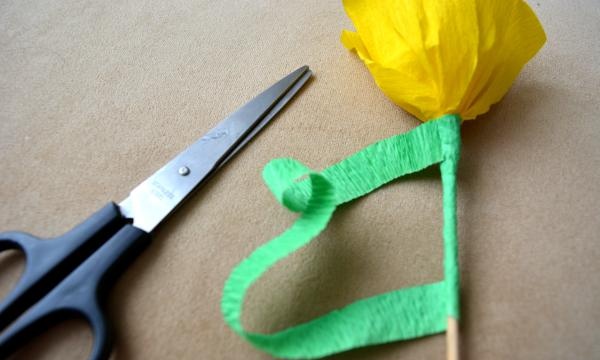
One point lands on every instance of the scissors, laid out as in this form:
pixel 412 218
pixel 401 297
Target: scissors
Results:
pixel 70 275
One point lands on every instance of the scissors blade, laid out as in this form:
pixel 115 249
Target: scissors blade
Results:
pixel 159 195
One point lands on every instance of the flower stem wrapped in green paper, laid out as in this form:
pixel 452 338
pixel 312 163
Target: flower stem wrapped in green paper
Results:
pixel 444 62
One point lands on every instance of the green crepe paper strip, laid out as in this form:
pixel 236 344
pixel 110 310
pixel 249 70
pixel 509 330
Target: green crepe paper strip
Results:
pixel 451 149
pixel 397 315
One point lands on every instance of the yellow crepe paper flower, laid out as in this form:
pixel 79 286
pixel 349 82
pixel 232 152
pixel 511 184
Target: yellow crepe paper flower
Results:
pixel 436 57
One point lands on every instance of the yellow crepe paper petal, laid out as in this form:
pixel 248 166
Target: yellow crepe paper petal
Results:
pixel 435 57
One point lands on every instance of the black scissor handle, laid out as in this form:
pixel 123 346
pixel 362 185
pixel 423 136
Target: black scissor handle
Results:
pixel 79 294
pixel 48 261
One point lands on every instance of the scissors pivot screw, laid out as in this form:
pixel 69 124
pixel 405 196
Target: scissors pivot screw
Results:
pixel 184 170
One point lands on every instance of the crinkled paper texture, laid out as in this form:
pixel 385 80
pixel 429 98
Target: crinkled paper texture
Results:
pixel 436 57
pixel 397 315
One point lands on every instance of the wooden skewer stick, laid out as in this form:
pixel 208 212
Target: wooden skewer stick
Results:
pixel 452 341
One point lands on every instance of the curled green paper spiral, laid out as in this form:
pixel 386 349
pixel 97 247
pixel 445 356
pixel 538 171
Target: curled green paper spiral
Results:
pixel 397 315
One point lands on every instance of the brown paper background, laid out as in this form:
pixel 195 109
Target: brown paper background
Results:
pixel 94 96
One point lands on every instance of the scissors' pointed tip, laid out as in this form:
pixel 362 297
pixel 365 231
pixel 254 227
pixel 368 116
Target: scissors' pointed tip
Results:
pixel 299 72
pixel 273 95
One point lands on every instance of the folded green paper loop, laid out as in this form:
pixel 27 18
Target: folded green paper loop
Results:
pixel 397 315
